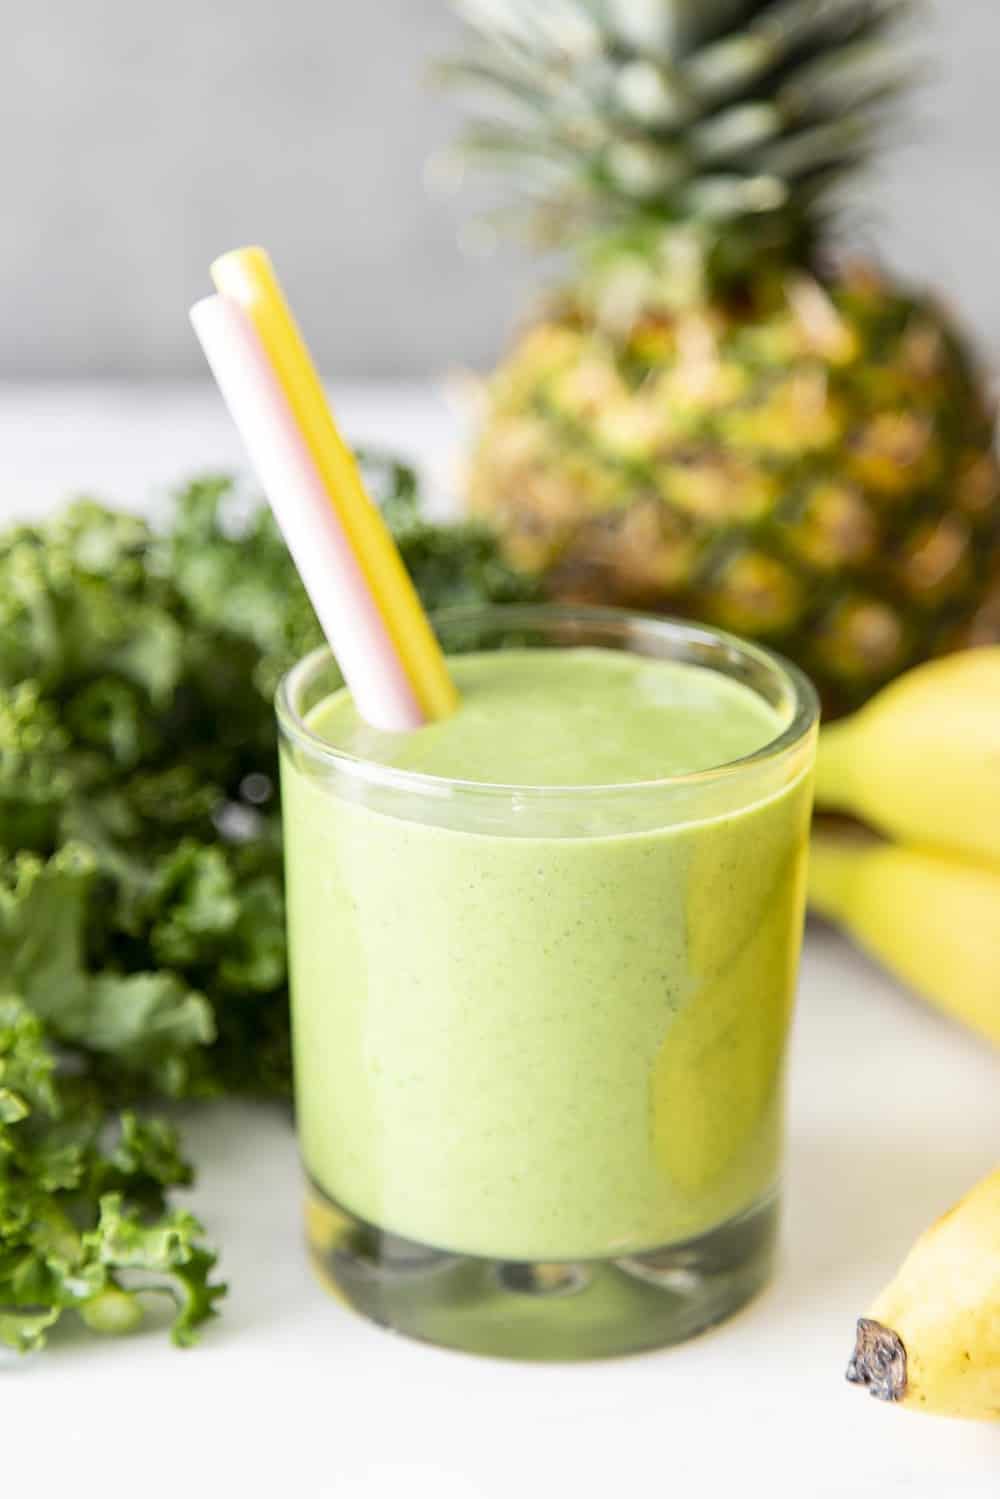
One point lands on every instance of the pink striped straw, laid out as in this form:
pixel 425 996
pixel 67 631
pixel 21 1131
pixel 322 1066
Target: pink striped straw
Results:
pixel 347 612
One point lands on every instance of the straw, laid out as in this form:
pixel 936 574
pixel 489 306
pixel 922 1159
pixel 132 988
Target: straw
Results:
pixel 247 277
pixel 326 563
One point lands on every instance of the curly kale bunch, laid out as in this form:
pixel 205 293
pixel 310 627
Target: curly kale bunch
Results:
pixel 142 946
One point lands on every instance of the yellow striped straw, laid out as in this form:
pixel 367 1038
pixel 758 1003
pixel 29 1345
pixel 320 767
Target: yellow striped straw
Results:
pixel 248 278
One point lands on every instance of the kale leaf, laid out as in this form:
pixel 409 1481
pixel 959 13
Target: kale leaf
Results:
pixel 142 939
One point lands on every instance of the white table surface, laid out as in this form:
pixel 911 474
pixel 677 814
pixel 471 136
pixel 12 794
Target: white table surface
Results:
pixel 894 1113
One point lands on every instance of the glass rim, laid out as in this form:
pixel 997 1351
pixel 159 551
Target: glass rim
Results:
pixel 805 715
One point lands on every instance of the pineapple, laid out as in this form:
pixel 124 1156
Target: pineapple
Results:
pixel 716 417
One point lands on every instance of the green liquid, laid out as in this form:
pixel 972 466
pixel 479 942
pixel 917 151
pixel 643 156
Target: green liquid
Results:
pixel 546 1047
pixel 568 718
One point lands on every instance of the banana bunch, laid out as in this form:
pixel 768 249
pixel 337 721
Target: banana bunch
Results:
pixel 920 763
pixel 932 1339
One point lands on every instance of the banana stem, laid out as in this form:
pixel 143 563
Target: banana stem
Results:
pixel 878 1361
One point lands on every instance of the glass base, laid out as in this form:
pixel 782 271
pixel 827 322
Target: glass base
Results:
pixel 529 1310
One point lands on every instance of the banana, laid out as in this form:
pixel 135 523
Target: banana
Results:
pixel 932 1339
pixel 921 761
pixel 934 920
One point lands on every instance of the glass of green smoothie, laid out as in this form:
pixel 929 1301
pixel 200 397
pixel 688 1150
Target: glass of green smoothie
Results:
pixel 543 958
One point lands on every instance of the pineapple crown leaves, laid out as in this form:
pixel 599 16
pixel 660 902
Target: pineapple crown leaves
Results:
pixel 708 114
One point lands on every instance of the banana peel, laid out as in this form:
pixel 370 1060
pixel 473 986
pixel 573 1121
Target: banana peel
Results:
pixel 932 919
pixel 931 1342
pixel 921 761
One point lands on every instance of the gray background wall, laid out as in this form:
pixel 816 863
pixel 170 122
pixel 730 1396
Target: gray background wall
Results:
pixel 140 139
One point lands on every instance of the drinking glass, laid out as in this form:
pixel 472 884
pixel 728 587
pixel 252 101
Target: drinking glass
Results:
pixel 540 1031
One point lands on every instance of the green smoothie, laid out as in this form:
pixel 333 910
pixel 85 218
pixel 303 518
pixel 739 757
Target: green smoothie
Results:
pixel 555 1046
